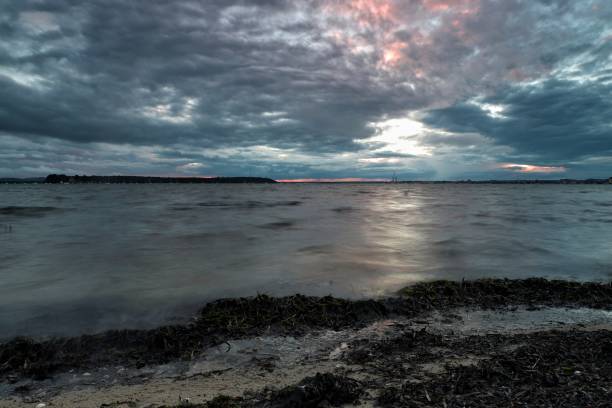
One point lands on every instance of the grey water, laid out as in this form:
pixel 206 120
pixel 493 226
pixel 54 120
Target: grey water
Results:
pixel 85 258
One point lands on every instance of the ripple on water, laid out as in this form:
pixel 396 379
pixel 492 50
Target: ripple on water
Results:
pixel 248 204
pixel 278 225
pixel 27 211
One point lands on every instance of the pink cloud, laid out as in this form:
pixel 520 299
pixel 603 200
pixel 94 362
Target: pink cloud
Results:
pixel 379 27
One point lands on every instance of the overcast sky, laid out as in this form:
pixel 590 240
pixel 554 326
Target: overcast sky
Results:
pixel 429 89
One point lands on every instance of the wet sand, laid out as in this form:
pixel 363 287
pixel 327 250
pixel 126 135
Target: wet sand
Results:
pixel 480 344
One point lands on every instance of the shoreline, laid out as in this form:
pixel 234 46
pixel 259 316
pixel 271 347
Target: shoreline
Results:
pixel 335 347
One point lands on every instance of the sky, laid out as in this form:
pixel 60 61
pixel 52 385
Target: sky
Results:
pixel 423 89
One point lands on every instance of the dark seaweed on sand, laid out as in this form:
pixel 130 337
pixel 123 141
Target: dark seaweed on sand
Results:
pixel 320 390
pixel 217 322
pixel 292 314
pixel 547 369
pixel 228 319
pixel 494 293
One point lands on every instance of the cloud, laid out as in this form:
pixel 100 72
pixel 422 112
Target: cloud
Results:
pixel 317 88
pixel 530 168
pixel 553 120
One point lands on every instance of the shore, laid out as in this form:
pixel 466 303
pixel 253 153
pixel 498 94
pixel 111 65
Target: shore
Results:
pixel 484 343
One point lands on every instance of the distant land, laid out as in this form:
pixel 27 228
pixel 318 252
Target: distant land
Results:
pixel 64 179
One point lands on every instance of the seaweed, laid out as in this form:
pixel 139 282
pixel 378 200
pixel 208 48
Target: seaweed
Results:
pixel 320 390
pixel 547 369
pixel 216 323
pixel 227 319
pixel 495 293
pixel 291 314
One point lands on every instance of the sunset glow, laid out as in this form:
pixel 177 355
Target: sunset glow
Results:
pixel 335 180
pixel 529 168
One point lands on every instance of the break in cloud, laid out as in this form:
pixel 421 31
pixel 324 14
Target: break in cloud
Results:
pixel 430 89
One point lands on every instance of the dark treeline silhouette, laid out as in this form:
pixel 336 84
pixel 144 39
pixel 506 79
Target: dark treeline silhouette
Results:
pixel 62 178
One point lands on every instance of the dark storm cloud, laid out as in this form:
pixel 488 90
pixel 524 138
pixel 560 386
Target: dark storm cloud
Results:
pixel 128 57
pixel 309 79
pixel 556 120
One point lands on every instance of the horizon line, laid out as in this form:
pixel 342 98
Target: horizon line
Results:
pixel 326 179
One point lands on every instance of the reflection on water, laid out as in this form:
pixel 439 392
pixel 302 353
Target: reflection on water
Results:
pixel 87 257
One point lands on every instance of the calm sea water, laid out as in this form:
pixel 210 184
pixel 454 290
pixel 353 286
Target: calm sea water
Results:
pixel 83 258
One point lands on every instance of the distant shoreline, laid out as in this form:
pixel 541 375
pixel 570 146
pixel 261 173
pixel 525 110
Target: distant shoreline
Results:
pixel 64 179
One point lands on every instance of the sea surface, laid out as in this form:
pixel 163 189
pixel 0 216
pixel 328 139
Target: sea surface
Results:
pixel 85 258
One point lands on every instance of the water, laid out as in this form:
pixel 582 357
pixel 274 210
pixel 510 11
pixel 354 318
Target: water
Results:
pixel 83 258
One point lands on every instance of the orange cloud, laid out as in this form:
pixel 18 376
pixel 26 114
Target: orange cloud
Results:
pixel 530 168
pixel 393 53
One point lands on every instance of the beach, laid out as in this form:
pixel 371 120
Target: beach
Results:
pixel 478 343
pixel 305 204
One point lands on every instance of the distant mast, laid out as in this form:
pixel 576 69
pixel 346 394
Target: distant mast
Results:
pixel 394 178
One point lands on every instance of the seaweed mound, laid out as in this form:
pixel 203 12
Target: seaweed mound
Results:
pixel 320 390
pixel 228 319
pixel 547 369
pixel 217 322
pixel 290 314
pixel 492 293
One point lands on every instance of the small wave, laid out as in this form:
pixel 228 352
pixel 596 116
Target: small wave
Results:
pixel 181 208
pixel 481 224
pixel 445 205
pixel 423 225
pixel 595 220
pixel 520 219
pixel 27 211
pixel 215 204
pixel 343 209
pixel 249 204
pixel 211 237
pixel 317 249
pixel 534 249
pixel 447 242
pixel 278 225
